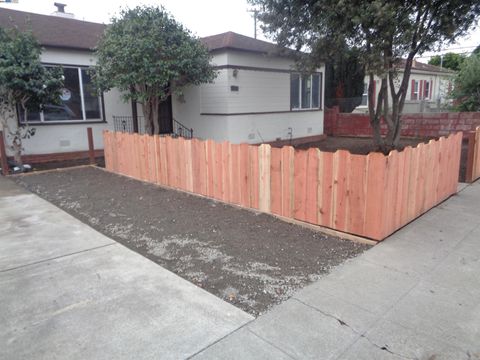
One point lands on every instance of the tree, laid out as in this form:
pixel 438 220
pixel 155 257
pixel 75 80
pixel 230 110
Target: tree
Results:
pixel 25 85
pixel 477 50
pixel 383 32
pixel 450 60
pixel 344 77
pixel 467 85
pixel 149 56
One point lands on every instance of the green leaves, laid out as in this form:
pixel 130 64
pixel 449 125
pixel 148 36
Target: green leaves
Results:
pixel 467 85
pixel 450 61
pixel 24 80
pixel 148 49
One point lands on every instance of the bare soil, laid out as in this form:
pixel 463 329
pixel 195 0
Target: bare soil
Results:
pixel 356 145
pixel 250 259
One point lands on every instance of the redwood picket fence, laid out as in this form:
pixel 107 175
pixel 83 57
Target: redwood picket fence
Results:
pixel 473 160
pixel 368 195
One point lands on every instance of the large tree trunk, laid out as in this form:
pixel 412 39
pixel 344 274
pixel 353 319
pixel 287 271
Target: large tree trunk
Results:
pixel 374 119
pixel 151 113
pixel 148 116
pixel 17 152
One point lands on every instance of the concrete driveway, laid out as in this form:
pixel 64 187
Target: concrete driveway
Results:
pixel 68 292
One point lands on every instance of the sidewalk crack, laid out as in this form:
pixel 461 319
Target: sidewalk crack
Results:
pixel 360 334
pixel 57 257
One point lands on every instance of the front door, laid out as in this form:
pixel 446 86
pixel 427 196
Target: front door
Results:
pixel 165 116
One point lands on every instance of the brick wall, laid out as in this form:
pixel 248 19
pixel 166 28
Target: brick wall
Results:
pixel 413 125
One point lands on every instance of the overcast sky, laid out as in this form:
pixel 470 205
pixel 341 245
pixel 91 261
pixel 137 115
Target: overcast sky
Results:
pixel 203 17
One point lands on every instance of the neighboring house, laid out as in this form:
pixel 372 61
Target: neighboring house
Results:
pixel 257 96
pixel 69 43
pixel 428 88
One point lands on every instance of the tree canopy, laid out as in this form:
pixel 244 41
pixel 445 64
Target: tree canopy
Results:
pixel 344 79
pixel 450 60
pixel 467 85
pixel 149 56
pixel 24 83
pixel 382 31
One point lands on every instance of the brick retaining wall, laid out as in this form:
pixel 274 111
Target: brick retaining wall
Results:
pixel 413 125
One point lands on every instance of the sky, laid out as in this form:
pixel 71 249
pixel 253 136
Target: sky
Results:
pixel 202 17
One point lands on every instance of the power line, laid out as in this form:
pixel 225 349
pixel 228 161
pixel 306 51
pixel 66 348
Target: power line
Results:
pixel 430 56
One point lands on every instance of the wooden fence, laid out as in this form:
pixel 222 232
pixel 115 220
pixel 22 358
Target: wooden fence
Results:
pixel 368 195
pixel 473 160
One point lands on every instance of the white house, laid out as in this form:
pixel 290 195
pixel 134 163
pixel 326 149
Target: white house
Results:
pixel 257 96
pixel 69 43
pixel 428 88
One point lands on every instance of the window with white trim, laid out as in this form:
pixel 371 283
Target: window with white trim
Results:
pixel 415 84
pixel 305 91
pixel 79 101
pixel 426 90
pixel 365 95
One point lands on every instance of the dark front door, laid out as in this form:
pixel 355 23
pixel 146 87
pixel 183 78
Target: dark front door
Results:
pixel 165 116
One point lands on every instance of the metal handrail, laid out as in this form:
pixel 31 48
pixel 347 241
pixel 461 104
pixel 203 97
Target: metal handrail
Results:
pixel 125 124
pixel 181 130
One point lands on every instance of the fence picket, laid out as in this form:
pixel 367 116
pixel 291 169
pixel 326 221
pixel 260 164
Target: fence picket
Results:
pixel 300 184
pixel 370 195
pixel 276 194
pixel 341 161
pixel 311 200
pixel 356 194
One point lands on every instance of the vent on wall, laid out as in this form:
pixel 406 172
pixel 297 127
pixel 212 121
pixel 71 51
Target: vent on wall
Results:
pixel 64 143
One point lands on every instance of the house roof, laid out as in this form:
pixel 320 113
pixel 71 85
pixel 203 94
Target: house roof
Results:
pixel 427 67
pixel 231 40
pixel 55 31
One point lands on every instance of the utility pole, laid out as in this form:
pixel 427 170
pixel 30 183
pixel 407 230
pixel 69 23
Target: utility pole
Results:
pixel 255 13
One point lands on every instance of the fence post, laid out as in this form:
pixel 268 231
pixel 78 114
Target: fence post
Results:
pixel 470 156
pixel 91 149
pixel 3 155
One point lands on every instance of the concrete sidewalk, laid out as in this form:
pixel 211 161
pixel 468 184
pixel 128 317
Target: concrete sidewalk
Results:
pixel 414 296
pixel 68 292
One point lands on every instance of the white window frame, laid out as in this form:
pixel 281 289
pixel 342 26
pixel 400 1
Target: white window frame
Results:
pixel 427 94
pixel 300 108
pixel 365 94
pixel 82 96
pixel 416 89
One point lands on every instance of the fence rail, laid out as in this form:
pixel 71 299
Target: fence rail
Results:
pixel 368 195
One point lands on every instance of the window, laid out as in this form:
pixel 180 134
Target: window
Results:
pixel 365 95
pixel 414 95
pixel 305 91
pixel 426 90
pixel 78 100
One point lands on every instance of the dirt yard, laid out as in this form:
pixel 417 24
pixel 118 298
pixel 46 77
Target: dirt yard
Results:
pixel 356 145
pixel 249 259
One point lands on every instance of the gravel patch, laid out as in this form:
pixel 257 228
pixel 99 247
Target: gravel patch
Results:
pixel 251 260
